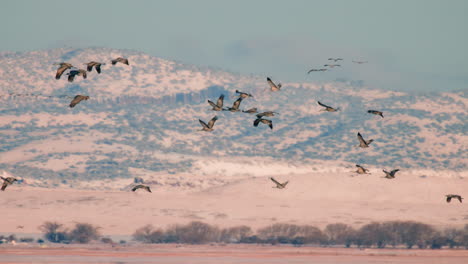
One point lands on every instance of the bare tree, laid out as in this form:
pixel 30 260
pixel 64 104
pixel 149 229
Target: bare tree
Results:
pixel 340 234
pixel 54 232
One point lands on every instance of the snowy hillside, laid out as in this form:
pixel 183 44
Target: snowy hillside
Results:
pixel 144 117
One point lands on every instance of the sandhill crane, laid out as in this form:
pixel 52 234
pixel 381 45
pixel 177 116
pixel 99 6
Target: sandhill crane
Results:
pixel 7 181
pixel 77 99
pixel 390 175
pixel 63 66
pixel 278 184
pixel 243 95
pixel 375 112
pixel 208 127
pixel 264 121
pixel 251 110
pixel 328 108
pixel 141 186
pixel 219 104
pixel 235 106
pixel 274 87
pixel 316 70
pixel 363 143
pixel 455 196
pixel 73 73
pixel 96 65
pixel 335 60
pixel 121 60
pixel 361 170
pixel 332 65
pixel 359 62
pixel 267 113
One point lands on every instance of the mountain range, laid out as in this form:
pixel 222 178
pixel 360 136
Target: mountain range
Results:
pixel 144 117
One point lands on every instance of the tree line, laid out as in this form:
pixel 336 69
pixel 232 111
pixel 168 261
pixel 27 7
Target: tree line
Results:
pixel 409 234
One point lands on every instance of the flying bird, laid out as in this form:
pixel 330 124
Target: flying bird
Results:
pixel 63 66
pixel 235 106
pixel 375 112
pixel 359 62
pixel 121 60
pixel 251 110
pixel 274 87
pixel 243 95
pixel 361 170
pixel 363 143
pixel 328 108
pixel 141 186
pixel 219 104
pixel 264 121
pixel 7 181
pixel 77 99
pixel 332 65
pixel 316 70
pixel 455 196
pixel 278 184
pixel 267 113
pixel 390 175
pixel 96 65
pixel 73 73
pixel 335 60
pixel 208 127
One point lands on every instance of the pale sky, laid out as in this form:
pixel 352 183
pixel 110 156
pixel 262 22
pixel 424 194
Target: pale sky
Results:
pixel 411 45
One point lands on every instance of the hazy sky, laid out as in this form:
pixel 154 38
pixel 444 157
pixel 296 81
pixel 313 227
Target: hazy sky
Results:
pixel 412 45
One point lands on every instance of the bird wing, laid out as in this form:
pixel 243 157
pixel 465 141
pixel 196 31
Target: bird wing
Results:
pixel 272 84
pixel 203 124
pixel 256 122
pixel 114 62
pixel 260 115
pixel 270 124
pixel 220 101
pixel 148 189
pixel 361 139
pixel 449 198
pixel 89 66
pixel 4 185
pixel 98 68
pixel 83 73
pixel 212 104
pixel 324 105
pixel 75 101
pixel 251 110
pixel 459 198
pixel 275 181
pixel 212 122
pixel 125 61
pixel 394 171
pixel 284 184
pixel 236 104
pixel 60 71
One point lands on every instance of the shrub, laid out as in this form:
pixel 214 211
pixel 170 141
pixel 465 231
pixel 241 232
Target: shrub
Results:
pixel 83 233
pixel 147 234
pixel 235 234
pixel 194 233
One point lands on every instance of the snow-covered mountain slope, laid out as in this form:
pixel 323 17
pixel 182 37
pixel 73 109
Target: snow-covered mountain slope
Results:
pixel 145 117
